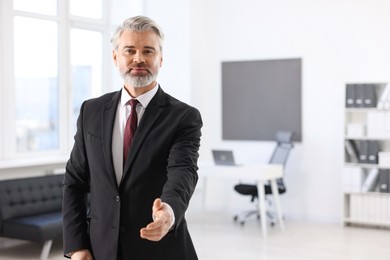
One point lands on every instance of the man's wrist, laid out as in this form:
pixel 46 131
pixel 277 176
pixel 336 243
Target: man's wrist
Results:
pixel 172 214
pixel 70 254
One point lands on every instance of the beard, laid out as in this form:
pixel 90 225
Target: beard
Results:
pixel 139 81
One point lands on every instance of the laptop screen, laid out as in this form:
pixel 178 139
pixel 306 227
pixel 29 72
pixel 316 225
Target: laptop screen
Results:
pixel 223 157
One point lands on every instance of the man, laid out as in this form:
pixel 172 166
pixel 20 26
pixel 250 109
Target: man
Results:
pixel 138 192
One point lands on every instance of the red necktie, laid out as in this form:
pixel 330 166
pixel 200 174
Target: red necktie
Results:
pixel 131 126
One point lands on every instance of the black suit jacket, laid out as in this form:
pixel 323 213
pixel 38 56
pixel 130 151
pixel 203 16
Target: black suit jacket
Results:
pixel 162 163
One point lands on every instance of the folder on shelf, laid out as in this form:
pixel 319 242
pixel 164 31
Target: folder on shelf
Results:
pixel 370 99
pixel 383 100
pixel 371 180
pixel 384 180
pixel 350 96
pixel 372 151
pixel 359 95
pixel 351 151
pixel 363 151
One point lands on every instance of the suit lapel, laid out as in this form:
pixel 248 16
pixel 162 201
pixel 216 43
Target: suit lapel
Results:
pixel 152 112
pixel 109 115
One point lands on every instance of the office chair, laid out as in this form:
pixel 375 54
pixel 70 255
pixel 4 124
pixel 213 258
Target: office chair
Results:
pixel 279 156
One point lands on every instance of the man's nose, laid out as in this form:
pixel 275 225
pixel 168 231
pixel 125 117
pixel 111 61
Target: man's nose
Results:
pixel 138 57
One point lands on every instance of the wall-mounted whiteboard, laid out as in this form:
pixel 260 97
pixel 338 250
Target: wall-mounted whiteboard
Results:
pixel 261 97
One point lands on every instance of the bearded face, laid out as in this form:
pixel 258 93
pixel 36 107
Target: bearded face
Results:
pixel 138 58
pixel 138 80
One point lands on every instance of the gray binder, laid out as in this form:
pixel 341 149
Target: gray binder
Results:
pixel 384 181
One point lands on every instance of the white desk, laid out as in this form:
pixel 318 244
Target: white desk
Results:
pixel 260 172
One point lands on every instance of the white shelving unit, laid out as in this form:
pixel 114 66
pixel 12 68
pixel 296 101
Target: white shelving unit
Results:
pixel 365 125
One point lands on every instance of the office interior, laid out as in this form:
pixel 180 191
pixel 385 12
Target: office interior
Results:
pixel 339 41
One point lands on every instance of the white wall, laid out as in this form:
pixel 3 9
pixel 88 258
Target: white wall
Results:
pixel 174 18
pixel 339 41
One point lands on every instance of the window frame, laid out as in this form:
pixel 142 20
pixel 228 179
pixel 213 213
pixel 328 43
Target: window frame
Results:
pixel 66 22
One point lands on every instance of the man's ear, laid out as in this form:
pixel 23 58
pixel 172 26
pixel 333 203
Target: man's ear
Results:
pixel 161 61
pixel 114 57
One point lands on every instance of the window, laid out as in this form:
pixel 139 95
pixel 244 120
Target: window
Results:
pixel 86 68
pixel 86 8
pixel 52 62
pixel 48 7
pixel 36 84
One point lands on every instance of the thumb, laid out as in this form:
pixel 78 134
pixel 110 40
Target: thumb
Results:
pixel 157 205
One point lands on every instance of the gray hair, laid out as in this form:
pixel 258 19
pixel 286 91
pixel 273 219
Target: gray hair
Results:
pixel 137 24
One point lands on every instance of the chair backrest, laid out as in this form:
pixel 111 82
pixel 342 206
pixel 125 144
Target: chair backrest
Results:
pixel 282 151
pixel 283 147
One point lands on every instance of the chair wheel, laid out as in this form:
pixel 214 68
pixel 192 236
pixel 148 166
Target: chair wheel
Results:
pixel 272 224
pixel 242 223
pixel 235 218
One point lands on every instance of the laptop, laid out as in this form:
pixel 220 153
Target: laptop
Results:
pixel 224 157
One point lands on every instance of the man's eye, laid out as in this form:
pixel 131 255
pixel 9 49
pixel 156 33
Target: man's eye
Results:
pixel 129 51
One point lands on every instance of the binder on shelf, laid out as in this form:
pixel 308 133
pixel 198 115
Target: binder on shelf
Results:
pixel 372 151
pixel 359 95
pixel 370 99
pixel 384 181
pixel 350 96
pixel 371 180
pixel 351 151
pixel 363 151
pixel 384 99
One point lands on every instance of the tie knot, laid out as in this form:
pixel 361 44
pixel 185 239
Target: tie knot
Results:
pixel 133 102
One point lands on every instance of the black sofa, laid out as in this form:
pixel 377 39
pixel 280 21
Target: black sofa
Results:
pixel 30 209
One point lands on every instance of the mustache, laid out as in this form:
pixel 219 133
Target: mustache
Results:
pixel 139 65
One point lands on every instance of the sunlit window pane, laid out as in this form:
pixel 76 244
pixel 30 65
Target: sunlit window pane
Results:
pixel 36 84
pixel 86 61
pixel 86 8
pixel 48 7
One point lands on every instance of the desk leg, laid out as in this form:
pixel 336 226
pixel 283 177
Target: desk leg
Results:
pixel 204 193
pixel 275 193
pixel 263 217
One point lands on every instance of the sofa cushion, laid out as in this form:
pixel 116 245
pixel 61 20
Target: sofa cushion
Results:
pixel 37 228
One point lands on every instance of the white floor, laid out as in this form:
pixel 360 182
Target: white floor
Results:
pixel 217 237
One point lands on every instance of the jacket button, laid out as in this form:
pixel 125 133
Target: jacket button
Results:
pixel 122 229
pixel 117 198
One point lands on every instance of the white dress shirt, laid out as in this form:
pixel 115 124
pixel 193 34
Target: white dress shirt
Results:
pixel 122 113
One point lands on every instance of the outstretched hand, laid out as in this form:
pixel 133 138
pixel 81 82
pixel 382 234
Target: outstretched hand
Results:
pixel 161 224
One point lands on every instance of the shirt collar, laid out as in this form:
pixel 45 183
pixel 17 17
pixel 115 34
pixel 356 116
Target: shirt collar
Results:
pixel 143 99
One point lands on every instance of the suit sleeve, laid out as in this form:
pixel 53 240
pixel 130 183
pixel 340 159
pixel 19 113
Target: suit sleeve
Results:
pixel 75 190
pixel 182 164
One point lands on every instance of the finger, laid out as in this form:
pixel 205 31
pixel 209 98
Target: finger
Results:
pixel 155 230
pixel 153 234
